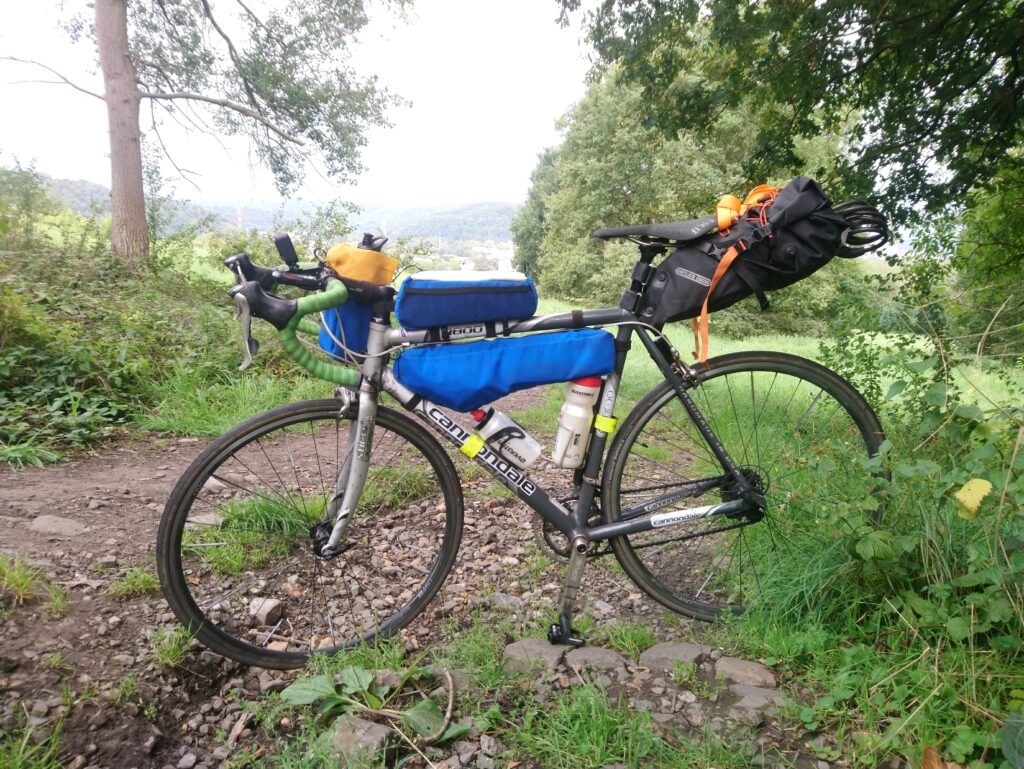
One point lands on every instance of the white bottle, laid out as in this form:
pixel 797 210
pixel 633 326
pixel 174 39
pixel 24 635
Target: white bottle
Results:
pixel 574 422
pixel 506 437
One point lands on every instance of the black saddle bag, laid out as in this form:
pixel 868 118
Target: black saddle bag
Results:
pixel 779 243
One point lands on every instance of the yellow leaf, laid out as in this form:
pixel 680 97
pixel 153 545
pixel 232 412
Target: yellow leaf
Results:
pixel 931 758
pixel 970 497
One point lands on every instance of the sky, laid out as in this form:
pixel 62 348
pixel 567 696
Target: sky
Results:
pixel 487 79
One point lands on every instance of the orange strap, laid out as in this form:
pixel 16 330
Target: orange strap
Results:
pixel 700 328
pixel 756 194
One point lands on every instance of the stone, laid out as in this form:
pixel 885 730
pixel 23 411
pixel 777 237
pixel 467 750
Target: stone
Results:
pixel 754 697
pixel 531 653
pixel 465 750
pixel 356 739
pixel 595 658
pixel 506 602
pixel 266 611
pixel 744 672
pixel 213 485
pixel 664 656
pixel 187 761
pixel 268 683
pixel 694 715
pixel 485 762
pixel 107 561
pixel 490 745
pixel 57 526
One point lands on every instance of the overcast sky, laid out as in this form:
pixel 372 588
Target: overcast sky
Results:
pixel 487 79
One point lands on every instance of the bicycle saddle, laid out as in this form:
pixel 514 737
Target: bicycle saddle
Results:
pixel 670 232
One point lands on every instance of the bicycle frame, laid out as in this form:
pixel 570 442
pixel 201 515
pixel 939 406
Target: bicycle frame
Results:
pixel 642 517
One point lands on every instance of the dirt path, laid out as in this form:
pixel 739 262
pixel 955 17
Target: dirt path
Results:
pixel 83 523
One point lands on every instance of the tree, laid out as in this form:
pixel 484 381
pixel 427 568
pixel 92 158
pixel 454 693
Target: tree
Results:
pixel 935 86
pixel 279 77
pixel 527 226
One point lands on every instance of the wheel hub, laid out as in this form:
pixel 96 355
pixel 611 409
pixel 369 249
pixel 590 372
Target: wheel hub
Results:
pixel 731 491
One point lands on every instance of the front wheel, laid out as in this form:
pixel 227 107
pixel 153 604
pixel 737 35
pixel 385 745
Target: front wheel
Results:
pixel 800 434
pixel 234 552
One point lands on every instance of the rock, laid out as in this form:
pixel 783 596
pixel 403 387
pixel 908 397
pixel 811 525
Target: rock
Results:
pixel 107 561
pixel 750 716
pixel 531 653
pixel 187 761
pixel 490 745
pixel 57 526
pixel 356 739
pixel 755 698
pixel 603 607
pixel 266 611
pixel 268 683
pixel 77 762
pixel 465 750
pixel 694 715
pixel 595 658
pixel 744 672
pixel 665 656
pixel 485 762
pixel 214 485
pixel 505 602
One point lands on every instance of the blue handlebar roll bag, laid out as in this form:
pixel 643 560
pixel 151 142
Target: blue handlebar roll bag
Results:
pixel 432 299
pixel 468 375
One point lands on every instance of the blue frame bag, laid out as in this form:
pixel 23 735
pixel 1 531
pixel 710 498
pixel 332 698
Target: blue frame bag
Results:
pixel 350 325
pixel 468 375
pixel 446 298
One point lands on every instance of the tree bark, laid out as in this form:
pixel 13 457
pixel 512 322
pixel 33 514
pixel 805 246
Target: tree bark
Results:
pixel 129 234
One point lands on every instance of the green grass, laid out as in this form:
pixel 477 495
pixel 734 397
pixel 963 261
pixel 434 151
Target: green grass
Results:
pixel 193 401
pixel 57 661
pixel 56 601
pixel 630 638
pixel 18 750
pixel 583 728
pixel 133 583
pixel 123 692
pixel 168 647
pixel 377 655
pixel 252 532
pixel 477 649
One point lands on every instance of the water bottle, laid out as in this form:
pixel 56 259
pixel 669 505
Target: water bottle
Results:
pixel 574 422
pixel 506 437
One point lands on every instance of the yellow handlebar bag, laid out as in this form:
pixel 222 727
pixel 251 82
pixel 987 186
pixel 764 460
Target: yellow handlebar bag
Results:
pixel 361 264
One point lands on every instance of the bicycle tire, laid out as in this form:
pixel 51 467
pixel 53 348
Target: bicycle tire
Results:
pixel 712 565
pixel 270 481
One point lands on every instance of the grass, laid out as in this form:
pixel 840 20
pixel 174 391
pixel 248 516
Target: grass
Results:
pixel 583 728
pixel 189 400
pixel 252 532
pixel 630 638
pixel 168 647
pixel 57 661
pixel 477 649
pixel 19 582
pixel 19 750
pixel 133 583
pixel 56 602
pixel 379 654
pixel 123 692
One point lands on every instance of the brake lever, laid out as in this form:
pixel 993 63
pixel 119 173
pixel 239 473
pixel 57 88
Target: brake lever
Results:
pixel 249 345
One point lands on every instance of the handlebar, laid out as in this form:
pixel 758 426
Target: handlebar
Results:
pixel 289 315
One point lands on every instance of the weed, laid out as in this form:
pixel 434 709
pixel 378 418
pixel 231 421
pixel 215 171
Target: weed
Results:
pixel 168 647
pixel 685 674
pixel 630 638
pixel 19 750
pixel 123 692
pixel 18 581
pixel 378 654
pixel 135 582
pixel 150 712
pixel 56 602
pixel 57 661
pixel 477 649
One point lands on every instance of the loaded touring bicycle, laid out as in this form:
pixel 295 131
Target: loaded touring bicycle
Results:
pixel 322 524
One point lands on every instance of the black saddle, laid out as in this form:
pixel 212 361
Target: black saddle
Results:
pixel 671 232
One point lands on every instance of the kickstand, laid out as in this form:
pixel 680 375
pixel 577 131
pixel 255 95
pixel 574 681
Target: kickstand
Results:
pixel 562 631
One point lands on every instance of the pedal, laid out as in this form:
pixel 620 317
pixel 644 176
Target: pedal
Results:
pixel 558 637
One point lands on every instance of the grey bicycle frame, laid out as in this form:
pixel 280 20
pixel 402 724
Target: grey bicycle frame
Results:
pixel 383 338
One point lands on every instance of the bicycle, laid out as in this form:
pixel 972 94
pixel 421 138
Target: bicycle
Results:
pixel 323 524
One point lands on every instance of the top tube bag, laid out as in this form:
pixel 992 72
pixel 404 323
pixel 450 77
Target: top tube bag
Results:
pixel 446 298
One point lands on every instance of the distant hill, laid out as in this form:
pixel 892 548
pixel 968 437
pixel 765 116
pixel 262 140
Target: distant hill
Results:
pixel 470 222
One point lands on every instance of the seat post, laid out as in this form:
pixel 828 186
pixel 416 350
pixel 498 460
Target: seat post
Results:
pixel 642 271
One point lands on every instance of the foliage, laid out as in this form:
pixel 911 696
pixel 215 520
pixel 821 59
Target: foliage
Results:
pixel 133 583
pixel 357 690
pixel 934 87
pixel 528 224
pixel 168 647
pixel 264 76
pixel 19 749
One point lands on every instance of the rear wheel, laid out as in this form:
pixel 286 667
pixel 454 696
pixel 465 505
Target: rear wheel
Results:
pixel 234 552
pixel 799 432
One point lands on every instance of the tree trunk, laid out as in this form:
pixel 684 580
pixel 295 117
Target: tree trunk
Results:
pixel 129 235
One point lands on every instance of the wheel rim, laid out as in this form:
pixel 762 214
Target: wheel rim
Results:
pixel 243 551
pixel 791 434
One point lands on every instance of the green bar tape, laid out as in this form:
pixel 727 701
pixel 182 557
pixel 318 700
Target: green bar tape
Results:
pixel 306 326
pixel 332 297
